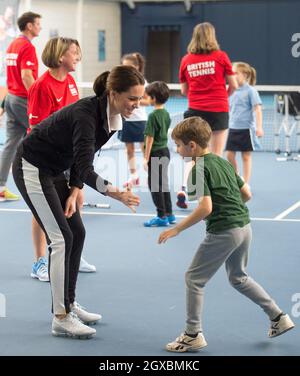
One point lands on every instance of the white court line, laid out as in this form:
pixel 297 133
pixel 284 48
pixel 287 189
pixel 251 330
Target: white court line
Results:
pixel 287 211
pixel 147 215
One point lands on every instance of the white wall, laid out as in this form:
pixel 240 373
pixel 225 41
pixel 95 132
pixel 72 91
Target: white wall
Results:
pixel 100 16
pixel 80 19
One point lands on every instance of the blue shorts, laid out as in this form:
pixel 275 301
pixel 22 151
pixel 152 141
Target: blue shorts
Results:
pixel 133 131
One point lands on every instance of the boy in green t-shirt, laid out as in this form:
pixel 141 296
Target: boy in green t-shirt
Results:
pixel 221 194
pixel 157 155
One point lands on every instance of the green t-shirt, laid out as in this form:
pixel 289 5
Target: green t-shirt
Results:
pixel 157 127
pixel 214 176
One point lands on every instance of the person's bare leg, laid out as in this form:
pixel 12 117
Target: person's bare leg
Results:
pixel 142 145
pixel 131 158
pixel 247 165
pixel 39 240
pixel 187 169
pixel 217 142
pixel 133 179
pixel 231 156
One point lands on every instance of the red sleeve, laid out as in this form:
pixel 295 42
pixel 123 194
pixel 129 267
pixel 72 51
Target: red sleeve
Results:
pixel 182 68
pixel 28 59
pixel 227 64
pixel 40 105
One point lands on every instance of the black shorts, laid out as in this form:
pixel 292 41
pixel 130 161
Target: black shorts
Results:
pixel 239 140
pixel 218 121
pixel 133 131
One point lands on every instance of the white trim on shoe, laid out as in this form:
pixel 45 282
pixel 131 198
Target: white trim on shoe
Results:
pixel 185 343
pixel 280 327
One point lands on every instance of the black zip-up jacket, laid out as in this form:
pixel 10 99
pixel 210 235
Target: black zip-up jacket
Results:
pixel 69 138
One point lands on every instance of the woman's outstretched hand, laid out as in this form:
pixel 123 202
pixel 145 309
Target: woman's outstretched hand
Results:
pixel 126 197
pixel 129 199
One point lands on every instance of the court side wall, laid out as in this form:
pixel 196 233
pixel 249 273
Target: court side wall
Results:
pixel 265 33
pixel 80 19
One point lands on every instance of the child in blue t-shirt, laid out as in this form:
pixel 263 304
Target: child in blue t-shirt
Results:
pixel 244 117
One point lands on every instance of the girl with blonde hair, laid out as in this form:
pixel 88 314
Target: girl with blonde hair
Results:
pixel 245 118
pixel 203 73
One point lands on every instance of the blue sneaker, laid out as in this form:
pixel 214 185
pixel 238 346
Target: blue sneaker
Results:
pixel 40 270
pixel 171 219
pixel 157 222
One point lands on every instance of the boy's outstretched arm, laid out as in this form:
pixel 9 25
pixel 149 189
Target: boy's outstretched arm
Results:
pixel 246 193
pixel 202 211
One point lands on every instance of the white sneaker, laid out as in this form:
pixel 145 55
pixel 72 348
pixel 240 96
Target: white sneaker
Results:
pixel 70 326
pixel 185 343
pixel 83 315
pixel 85 267
pixel 279 327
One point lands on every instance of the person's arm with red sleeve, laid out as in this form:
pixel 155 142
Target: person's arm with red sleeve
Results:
pixel 229 74
pixel 40 104
pixel 28 65
pixel 182 78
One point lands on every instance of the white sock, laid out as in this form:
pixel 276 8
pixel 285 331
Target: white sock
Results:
pixel 133 176
pixel 2 187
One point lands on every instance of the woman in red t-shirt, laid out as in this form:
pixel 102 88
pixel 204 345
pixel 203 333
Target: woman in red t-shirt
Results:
pixel 55 89
pixel 203 73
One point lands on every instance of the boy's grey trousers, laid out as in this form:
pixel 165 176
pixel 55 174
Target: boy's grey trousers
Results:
pixel 230 247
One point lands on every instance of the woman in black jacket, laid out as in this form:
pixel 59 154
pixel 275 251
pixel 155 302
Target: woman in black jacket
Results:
pixel 68 139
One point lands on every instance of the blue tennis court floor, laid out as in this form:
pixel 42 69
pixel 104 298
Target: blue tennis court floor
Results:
pixel 139 285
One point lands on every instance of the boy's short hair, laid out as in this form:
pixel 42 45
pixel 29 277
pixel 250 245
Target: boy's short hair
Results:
pixel 159 91
pixel 193 129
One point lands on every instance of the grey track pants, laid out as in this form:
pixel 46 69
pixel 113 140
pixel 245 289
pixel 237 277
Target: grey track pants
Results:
pixel 232 247
pixel 46 197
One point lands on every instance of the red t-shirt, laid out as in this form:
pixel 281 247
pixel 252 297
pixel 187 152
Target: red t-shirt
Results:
pixel 205 76
pixel 20 55
pixel 48 95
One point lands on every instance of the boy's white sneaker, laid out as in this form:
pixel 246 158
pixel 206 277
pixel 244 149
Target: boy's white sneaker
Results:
pixel 86 317
pixel 185 343
pixel 70 326
pixel 279 327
